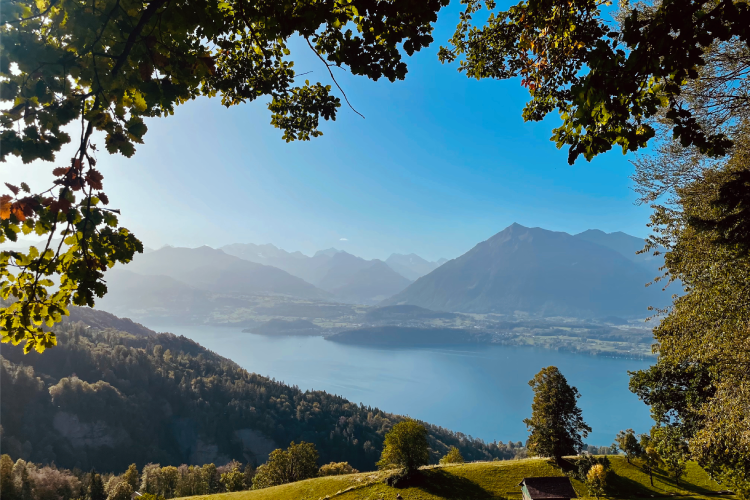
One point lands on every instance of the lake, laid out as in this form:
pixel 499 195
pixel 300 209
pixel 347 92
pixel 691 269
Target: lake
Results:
pixel 480 390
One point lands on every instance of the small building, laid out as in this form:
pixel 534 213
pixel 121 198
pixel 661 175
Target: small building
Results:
pixel 547 488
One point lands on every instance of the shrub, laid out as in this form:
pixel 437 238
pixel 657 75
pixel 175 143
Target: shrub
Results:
pixel 149 496
pixel 452 457
pixel 596 480
pixel 337 469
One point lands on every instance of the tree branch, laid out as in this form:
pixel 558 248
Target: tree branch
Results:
pixel 328 67
pixel 147 14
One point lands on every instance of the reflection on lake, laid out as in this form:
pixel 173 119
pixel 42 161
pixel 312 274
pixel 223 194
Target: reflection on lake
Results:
pixel 481 390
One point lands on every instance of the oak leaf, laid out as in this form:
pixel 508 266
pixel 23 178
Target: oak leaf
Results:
pixel 5 206
pixel 94 178
pixel 18 211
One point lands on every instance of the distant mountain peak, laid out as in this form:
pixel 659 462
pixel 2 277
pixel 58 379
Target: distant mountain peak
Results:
pixel 537 271
pixel 329 252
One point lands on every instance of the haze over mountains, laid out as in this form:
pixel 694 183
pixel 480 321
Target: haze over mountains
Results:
pixel 347 277
pixel 542 272
pixel 519 270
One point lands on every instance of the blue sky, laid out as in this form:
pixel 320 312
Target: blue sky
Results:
pixel 439 164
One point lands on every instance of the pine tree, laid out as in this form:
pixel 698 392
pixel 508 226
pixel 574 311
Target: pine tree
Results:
pixel 96 488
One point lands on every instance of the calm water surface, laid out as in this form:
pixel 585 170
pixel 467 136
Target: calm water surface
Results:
pixel 478 390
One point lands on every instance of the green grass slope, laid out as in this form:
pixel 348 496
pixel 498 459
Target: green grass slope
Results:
pixel 479 481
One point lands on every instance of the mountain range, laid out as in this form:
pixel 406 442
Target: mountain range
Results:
pixel 592 274
pixel 542 272
pixel 346 277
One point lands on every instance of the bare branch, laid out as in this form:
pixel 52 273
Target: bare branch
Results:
pixel 328 67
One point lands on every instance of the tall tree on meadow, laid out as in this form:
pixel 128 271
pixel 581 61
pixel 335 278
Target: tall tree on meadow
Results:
pixel 101 69
pixel 556 425
pixel 650 457
pixel 628 443
pixel 405 447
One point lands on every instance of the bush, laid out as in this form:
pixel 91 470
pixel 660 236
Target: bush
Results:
pixel 149 496
pixel 405 447
pixel 584 463
pixel 337 469
pixel 596 480
pixel 452 457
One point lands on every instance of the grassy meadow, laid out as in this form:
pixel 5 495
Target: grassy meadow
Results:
pixel 479 481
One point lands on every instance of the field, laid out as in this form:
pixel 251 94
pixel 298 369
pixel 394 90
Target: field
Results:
pixel 479 481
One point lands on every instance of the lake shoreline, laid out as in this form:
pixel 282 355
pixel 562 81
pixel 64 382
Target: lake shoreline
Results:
pixel 479 389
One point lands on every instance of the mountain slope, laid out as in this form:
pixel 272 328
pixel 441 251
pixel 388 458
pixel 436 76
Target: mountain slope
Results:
pixel 213 270
pixel 145 297
pixel 626 245
pixel 107 399
pixel 347 277
pixel 353 279
pixel 536 271
pixel 295 263
pixel 371 284
pixel 412 266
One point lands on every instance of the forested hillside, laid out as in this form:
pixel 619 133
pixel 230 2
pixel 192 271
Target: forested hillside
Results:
pixel 108 398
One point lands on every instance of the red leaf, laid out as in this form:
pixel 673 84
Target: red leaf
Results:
pixel 60 171
pixel 12 188
pixel 60 205
pixel 94 178
pixel 103 197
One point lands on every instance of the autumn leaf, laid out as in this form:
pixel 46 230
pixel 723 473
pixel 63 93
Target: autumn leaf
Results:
pixel 60 171
pixel 5 206
pixel 18 211
pixel 94 178
pixel 60 205
pixel 103 197
pixel 12 188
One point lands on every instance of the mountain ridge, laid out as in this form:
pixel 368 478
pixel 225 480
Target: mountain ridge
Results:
pixel 537 271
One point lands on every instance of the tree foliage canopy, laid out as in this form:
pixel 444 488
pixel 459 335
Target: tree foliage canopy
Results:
pixel 556 425
pixel 607 83
pixel 405 447
pixel 111 64
pixel 674 74
pixel 298 462
pixel 629 444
